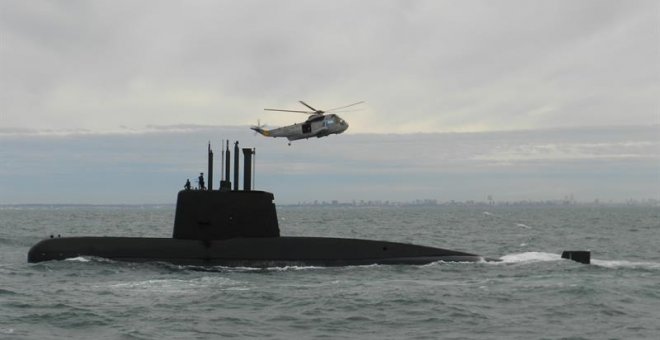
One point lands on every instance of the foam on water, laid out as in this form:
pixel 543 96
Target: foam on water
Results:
pixel 522 225
pixel 79 259
pixel 6 331
pixel 625 264
pixel 177 286
pixel 245 268
pixel 294 268
pixel 531 256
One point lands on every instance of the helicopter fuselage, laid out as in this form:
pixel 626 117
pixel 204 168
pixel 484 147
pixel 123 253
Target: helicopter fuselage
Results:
pixel 315 126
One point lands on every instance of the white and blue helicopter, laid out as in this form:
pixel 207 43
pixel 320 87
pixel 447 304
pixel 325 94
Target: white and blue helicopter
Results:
pixel 319 124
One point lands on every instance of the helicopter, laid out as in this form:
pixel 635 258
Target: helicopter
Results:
pixel 319 124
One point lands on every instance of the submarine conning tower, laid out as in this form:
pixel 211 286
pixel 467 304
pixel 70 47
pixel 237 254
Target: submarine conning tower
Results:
pixel 207 214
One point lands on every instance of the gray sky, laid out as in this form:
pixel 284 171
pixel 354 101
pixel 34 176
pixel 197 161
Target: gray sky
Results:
pixel 553 93
pixel 420 65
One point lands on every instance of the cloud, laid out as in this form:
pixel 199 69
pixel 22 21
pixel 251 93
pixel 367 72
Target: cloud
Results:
pixel 425 66
pixel 610 163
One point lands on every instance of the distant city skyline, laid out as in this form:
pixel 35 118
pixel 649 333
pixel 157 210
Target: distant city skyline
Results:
pixel 480 203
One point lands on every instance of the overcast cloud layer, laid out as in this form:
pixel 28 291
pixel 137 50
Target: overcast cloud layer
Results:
pixel 610 164
pixel 420 65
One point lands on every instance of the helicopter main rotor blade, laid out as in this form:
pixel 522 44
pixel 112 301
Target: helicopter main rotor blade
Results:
pixel 306 112
pixel 346 111
pixel 311 108
pixel 343 107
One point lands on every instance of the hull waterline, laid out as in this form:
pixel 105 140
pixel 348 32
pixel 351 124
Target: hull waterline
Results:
pixel 249 252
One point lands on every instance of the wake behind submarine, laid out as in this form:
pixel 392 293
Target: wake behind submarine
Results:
pixel 239 228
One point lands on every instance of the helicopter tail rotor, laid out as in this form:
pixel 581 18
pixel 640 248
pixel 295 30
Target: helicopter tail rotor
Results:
pixel 260 129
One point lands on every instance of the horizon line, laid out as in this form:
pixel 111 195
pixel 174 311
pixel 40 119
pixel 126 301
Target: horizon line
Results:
pixel 366 203
pixel 188 128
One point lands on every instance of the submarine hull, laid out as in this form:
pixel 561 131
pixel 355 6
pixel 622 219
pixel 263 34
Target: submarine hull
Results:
pixel 248 252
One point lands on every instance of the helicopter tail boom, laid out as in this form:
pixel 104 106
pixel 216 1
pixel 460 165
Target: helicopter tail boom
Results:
pixel 261 131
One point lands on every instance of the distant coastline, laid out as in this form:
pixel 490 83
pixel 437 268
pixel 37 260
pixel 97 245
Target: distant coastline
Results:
pixel 471 203
pixel 364 204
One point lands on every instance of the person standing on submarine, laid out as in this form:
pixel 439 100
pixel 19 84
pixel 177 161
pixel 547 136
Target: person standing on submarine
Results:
pixel 200 180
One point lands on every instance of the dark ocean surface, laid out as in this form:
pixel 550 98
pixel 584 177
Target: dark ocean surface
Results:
pixel 531 294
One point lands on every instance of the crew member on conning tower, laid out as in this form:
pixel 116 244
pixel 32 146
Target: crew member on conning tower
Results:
pixel 200 180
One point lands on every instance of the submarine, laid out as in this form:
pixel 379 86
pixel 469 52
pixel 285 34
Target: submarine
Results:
pixel 239 228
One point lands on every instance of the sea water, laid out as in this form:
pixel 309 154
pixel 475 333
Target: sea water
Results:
pixel 530 294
